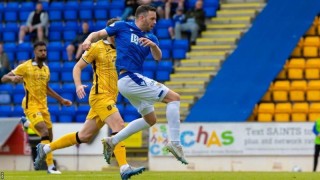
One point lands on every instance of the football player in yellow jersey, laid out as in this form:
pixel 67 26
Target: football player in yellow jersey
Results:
pixel 35 75
pixel 102 100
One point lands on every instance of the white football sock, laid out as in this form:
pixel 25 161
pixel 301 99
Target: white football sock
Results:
pixel 124 167
pixel 133 127
pixel 46 148
pixel 173 118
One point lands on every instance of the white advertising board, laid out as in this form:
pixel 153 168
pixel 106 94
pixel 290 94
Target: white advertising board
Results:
pixel 221 139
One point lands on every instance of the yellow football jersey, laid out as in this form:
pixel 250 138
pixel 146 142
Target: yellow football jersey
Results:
pixel 102 57
pixel 35 80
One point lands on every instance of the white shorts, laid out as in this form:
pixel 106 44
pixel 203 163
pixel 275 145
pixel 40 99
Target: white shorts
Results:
pixel 141 91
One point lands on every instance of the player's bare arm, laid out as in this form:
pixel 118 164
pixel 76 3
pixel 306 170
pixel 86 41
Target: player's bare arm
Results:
pixel 10 77
pixel 55 95
pixel 93 37
pixel 155 50
pixel 77 69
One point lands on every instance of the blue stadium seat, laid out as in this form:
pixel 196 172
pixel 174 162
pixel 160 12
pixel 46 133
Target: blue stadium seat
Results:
pixel 210 12
pixel 149 65
pixel 117 4
pixel 166 54
pixel 10 16
pixel 26 46
pixel 165 44
pixel 5 110
pixel 56 5
pixel 23 55
pixel 101 10
pixel 101 14
pixel 51 100
pixel 54 46
pixel 165 66
pixel 130 117
pixel 179 54
pixel 69 35
pixel 80 118
pixel 54 55
pixel 8 88
pixel 54 109
pixel 25 9
pixel 130 113
pixel 71 25
pixel 83 109
pixel 82 112
pixel 17 98
pixel 162 76
pixel 84 100
pixel 2 8
pixel 10 49
pixel 100 25
pixel 55 14
pixel 163 33
pixel 181 44
pixel 67 114
pixel 17 110
pixel 56 87
pixel 5 98
pixel 85 76
pixel 71 10
pixel 68 87
pixel 56 26
pixel 54 66
pixel 54 77
pixel 85 12
pixel 45 6
pixel 70 15
pixel 54 36
pixel 23 15
pixel 68 95
pixel 68 66
pixel 149 74
pixel 9 36
pixel 18 89
pixel 164 23
pixel 12 6
pixel 113 13
pixel 53 118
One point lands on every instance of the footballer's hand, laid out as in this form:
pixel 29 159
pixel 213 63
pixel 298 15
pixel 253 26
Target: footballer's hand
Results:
pixel 66 102
pixel 81 93
pixel 146 42
pixel 86 45
pixel 17 79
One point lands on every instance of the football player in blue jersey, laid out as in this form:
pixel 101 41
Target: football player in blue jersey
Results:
pixel 134 42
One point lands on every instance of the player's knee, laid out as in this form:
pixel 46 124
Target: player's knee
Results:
pixel 84 138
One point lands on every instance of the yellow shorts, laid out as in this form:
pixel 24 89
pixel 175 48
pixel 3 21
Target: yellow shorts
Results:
pixel 102 106
pixel 36 115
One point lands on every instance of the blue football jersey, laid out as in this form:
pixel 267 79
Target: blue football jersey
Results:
pixel 130 53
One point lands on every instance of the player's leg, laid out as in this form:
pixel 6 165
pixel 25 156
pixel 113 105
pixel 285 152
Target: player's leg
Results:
pixel 70 50
pixel 22 32
pixel 115 122
pixel 173 117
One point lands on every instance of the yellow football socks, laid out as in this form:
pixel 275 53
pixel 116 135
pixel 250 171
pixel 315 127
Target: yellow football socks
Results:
pixel 64 141
pixel 120 154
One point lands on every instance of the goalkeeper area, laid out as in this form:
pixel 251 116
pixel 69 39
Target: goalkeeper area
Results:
pixel 154 175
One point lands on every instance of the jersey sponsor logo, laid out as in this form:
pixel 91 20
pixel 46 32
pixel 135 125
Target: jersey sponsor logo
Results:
pixel 134 39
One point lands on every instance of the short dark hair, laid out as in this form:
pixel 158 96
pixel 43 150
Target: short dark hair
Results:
pixel 112 20
pixel 144 9
pixel 39 43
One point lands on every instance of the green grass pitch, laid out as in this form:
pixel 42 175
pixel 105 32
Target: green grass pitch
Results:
pixel 155 175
